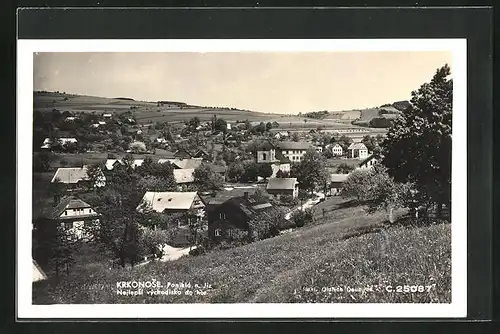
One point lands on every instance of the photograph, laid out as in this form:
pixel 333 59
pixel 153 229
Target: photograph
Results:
pixel 253 175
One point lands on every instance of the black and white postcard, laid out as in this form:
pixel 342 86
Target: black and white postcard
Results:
pixel 242 178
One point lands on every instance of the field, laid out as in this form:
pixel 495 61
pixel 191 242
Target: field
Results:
pixel 145 112
pixel 348 250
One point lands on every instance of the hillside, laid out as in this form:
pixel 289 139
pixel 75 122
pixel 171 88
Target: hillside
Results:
pixel 349 250
pixel 145 112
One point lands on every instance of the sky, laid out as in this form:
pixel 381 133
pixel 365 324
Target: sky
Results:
pixel 275 82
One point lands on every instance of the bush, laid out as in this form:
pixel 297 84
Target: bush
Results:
pixel 303 217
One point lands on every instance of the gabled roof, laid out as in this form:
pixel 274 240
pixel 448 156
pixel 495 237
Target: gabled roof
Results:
pixel 294 145
pixel 336 145
pixel 357 146
pixel 183 163
pixel 250 205
pixel 372 156
pixel 110 163
pixel 338 177
pixel 68 202
pixel 224 195
pixel 160 201
pixel 184 175
pixel 38 273
pixel 275 183
pixel 70 174
pixel 265 145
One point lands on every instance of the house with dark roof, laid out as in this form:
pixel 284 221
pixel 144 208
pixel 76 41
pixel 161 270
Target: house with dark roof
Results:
pixel 234 214
pixel 277 187
pixel 71 213
pixel 182 154
pixel 202 154
pixel 337 183
pixel 369 162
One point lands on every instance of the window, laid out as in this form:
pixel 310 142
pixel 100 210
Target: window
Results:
pixel 222 215
pixel 217 232
pixel 66 212
pixel 264 156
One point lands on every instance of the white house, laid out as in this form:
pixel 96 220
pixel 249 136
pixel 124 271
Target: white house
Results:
pixel 369 162
pixel 294 151
pixel 107 115
pixel 358 151
pixel 336 149
pixel 73 214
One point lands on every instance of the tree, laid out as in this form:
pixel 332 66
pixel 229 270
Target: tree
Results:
pixel 251 171
pixel 377 190
pixel 62 245
pixel 206 179
pixel 265 170
pixel 266 224
pixel 220 125
pixel 344 141
pixel 295 137
pixel 345 168
pixel 370 142
pixel 95 176
pixel 42 161
pixel 235 171
pixel 57 189
pixel 418 145
pixel 311 171
pixel 282 174
pixel 138 147
pixel 269 126
pixel 194 122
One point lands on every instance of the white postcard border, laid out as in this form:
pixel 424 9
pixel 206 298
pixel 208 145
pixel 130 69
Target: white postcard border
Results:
pixel 457 308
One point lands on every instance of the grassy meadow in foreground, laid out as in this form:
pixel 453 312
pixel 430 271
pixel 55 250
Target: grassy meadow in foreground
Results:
pixel 312 264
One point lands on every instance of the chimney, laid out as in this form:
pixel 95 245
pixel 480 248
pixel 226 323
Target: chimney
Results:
pixel 245 195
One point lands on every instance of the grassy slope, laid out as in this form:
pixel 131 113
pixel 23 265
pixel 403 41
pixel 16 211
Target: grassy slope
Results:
pixel 277 270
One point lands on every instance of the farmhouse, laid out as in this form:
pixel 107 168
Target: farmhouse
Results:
pixel 277 187
pixel 283 152
pixel 369 162
pixel 76 177
pixel 234 214
pixel 357 151
pixel 336 149
pixel 72 214
pixel 336 183
pixel 107 115
pixel 187 203
pixel 294 151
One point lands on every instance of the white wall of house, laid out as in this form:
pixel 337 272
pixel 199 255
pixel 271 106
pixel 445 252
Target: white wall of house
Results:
pixel 358 154
pixel 266 156
pixel 282 167
pixel 294 155
pixel 77 212
pixel 337 150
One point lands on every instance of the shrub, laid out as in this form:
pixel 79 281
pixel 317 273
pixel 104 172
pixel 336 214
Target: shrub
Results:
pixel 303 217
